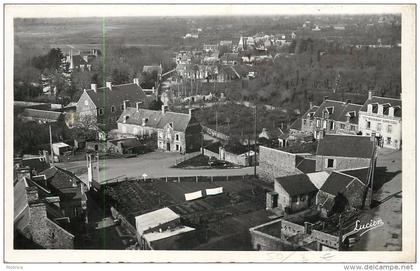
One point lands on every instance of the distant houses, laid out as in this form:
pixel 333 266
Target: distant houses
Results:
pixel 104 105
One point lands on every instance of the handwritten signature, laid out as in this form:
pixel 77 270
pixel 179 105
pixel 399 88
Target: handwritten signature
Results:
pixel 364 228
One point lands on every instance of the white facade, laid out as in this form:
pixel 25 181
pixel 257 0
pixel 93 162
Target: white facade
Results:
pixel 386 127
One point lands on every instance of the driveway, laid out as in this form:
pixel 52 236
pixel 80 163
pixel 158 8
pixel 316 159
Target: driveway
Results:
pixel 388 200
pixel 155 165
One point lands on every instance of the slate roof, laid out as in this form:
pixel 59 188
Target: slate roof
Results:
pixel 383 100
pixel 119 93
pixel 339 112
pixel 78 60
pixel 156 119
pixel 297 184
pixel 313 109
pixel 346 146
pixel 337 183
pixel 64 181
pixel 296 125
pixel 42 114
pixel 306 165
pixel 359 173
pixel 36 163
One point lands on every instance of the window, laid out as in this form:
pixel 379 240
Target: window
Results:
pixel 378 126
pixel 389 129
pixel 160 134
pixel 311 123
pixel 302 198
pixel 177 147
pixel 342 126
pixel 368 125
pixel 112 109
pixel 352 128
pixel 177 137
pixel 294 199
pixel 122 107
pixel 101 111
pixel 330 163
pixel 388 141
pixel 304 122
pixel 171 124
pixel 324 124
pixel 331 125
pixel 318 123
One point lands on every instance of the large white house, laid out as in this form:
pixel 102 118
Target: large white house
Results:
pixel 381 117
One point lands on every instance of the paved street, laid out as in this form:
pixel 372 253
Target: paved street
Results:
pixel 155 164
pixel 389 198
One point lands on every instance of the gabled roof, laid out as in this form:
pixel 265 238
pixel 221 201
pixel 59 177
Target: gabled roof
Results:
pixel 105 97
pixel 62 180
pixel 338 111
pixel 78 60
pixel 154 219
pixel 311 111
pixel 337 182
pixel 297 184
pixel 42 114
pixel 157 119
pixel 382 101
pixel 307 165
pixel 296 125
pixel 346 146
pixel 360 173
pixel 319 178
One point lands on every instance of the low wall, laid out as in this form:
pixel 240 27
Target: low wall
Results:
pixel 209 153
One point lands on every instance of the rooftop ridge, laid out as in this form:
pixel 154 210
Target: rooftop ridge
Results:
pixel 398 99
pixel 344 103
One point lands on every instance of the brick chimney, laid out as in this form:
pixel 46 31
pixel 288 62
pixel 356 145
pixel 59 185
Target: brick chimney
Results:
pixel 311 104
pixel 126 103
pixel 109 85
pixel 370 95
pixel 136 81
pixel 94 87
pixel 164 109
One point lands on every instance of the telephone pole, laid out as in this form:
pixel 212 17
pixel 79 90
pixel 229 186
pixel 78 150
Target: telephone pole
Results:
pixel 255 141
pixel 51 146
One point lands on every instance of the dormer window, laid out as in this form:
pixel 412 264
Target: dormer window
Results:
pixel 112 109
pixel 126 118
pixel 330 110
pixel 101 111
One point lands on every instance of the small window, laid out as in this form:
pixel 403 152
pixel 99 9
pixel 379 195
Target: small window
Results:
pixel 379 127
pixel 122 107
pixel 177 147
pixel 302 198
pixel 331 125
pixel 101 111
pixel 177 137
pixel 342 126
pixel 171 124
pixel 389 129
pixel 112 109
pixel 352 128
pixel 294 199
pixel 388 141
pixel 368 125
pixel 330 163
pixel 318 123
pixel 304 122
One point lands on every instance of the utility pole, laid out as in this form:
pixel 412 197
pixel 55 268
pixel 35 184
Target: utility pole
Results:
pixel 216 123
pixel 51 147
pixel 255 141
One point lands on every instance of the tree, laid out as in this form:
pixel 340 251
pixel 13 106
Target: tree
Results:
pixel 155 105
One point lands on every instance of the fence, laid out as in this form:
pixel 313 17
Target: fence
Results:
pixel 214 133
pixel 186 157
pixel 179 179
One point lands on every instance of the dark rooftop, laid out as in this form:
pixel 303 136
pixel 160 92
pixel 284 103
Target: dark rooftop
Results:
pixel 346 146
pixel 336 183
pixel 299 184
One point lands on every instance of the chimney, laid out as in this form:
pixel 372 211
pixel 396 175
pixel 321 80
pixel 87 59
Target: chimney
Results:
pixel 32 194
pixel 138 104
pixel 125 103
pixel 325 98
pixel 164 109
pixel 109 85
pixel 93 87
pixel 369 108
pixel 391 111
pixel 370 95
pixel 136 81
pixel 311 104
pixel 190 111
pixel 85 58
pixel 380 109
pixel 348 101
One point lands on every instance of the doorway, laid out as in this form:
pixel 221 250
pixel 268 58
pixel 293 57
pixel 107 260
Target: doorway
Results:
pixel 168 146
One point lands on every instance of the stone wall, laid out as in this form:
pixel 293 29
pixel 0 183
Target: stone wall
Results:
pixel 275 163
pixel 341 163
pixel 323 238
